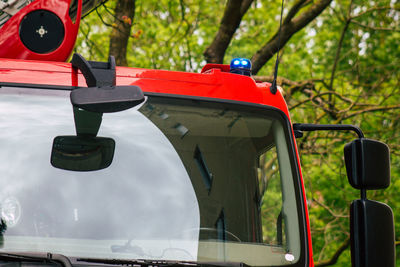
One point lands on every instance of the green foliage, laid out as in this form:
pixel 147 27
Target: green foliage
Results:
pixel 271 196
pixel 363 90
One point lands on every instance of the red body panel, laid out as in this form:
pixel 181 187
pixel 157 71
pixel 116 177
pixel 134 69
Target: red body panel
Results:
pixel 214 83
pixel 12 46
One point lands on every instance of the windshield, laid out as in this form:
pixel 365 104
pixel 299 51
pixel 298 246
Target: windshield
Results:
pixel 189 180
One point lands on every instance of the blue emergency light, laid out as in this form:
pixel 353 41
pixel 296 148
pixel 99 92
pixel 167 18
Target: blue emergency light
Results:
pixel 241 66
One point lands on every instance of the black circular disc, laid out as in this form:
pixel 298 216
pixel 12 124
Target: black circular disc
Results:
pixel 41 31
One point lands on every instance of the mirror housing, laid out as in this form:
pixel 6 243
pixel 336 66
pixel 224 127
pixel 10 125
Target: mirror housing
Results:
pixel 372 234
pixel 77 153
pixel 367 164
pixel 107 99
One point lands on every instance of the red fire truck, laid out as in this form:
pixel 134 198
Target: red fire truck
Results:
pixel 105 165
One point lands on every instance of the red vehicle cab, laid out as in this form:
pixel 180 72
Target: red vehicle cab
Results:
pixel 114 165
pixel 204 169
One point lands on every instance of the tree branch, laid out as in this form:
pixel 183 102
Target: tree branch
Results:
pixel 289 28
pixel 375 28
pixel 371 10
pixel 371 109
pixel 92 45
pixel 335 215
pixel 339 48
pixel 337 56
pixel 308 88
pixel 233 14
pixel 335 256
pixel 294 10
pixel 293 86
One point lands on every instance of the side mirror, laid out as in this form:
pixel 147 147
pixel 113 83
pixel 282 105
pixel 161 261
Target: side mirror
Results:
pixel 77 153
pixel 367 164
pixel 372 234
pixel 371 222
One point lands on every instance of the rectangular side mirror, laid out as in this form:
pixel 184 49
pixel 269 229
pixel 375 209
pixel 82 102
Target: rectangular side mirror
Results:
pixel 372 234
pixel 76 153
pixel 367 164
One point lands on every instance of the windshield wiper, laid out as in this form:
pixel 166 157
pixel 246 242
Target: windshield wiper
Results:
pixel 162 263
pixel 36 257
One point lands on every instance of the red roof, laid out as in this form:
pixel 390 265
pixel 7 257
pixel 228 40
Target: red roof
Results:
pixel 212 84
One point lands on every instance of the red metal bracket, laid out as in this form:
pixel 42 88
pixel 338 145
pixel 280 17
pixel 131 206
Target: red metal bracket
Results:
pixel 11 45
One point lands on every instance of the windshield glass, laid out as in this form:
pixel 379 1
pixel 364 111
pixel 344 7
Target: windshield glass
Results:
pixel 189 180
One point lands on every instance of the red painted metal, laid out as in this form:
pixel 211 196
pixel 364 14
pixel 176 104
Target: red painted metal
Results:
pixel 213 83
pixel 12 46
pixel 210 66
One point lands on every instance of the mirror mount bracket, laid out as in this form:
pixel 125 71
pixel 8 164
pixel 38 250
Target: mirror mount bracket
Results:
pixel 102 95
pixel 87 123
pixel 308 127
pixel 97 74
pixel 298 129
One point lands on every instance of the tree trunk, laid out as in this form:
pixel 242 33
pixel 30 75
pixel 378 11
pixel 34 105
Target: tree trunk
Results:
pixel 234 11
pixel 233 14
pixel 124 13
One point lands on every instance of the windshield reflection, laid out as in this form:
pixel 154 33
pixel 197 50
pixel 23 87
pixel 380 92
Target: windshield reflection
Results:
pixel 145 191
pixel 184 183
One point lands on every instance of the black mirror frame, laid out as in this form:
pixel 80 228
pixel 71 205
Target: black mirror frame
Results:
pixel 82 153
pixel 367 164
pixel 372 234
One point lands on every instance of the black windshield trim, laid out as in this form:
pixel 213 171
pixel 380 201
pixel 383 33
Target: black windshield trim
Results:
pixel 38 86
pixel 160 263
pixel 36 257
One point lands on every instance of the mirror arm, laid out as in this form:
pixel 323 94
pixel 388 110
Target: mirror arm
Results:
pixel 308 127
pixel 363 194
pixel 298 129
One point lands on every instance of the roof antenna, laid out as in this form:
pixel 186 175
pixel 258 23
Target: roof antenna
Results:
pixel 273 87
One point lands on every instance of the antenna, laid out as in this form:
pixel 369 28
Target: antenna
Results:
pixel 273 87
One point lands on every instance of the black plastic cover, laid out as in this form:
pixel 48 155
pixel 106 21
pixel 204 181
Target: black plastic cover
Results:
pixel 367 164
pixel 107 99
pixel 372 234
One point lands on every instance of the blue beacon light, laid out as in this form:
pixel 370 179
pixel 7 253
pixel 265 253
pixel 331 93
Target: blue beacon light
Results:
pixel 241 66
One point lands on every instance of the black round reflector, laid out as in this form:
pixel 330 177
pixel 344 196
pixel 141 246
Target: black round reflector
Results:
pixel 41 31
